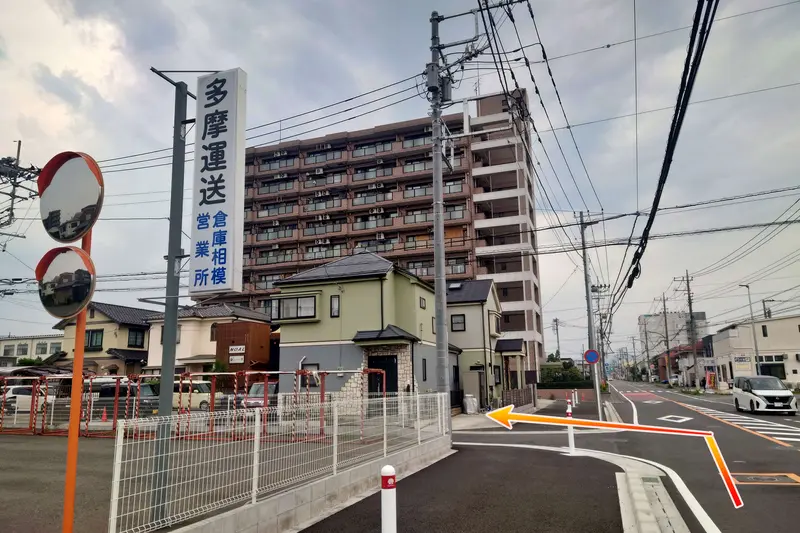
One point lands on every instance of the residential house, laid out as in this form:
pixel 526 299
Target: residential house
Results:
pixel 115 342
pixel 14 347
pixel 196 349
pixel 778 339
pixel 473 316
pixel 357 312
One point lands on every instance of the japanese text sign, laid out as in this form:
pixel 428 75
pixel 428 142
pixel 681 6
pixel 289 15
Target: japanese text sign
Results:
pixel 216 255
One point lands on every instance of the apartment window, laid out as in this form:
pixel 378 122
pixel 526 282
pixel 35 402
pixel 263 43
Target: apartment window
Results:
pixel 276 164
pixel 424 369
pixel 321 157
pixel 362 174
pixel 178 338
pixel 417 141
pixel 373 148
pixel 22 349
pixel 55 347
pixel 213 332
pixel 303 307
pixel 458 323
pixel 764 331
pixel 272 210
pixel 8 350
pixel 322 228
pixel 335 301
pixel 505 292
pixel 304 380
pixel 93 340
pixel 41 348
pixel 422 303
pixel 135 338
pixel 319 205
pixel 271 188
pixel 266 282
pixel 330 179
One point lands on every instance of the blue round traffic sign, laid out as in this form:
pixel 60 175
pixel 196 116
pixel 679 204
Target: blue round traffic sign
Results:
pixel 591 356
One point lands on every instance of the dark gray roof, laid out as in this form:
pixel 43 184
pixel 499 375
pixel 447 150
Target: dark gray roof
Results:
pixel 390 332
pixel 217 311
pixel 358 265
pixel 468 291
pixel 454 348
pixel 508 345
pixel 121 314
pixel 129 356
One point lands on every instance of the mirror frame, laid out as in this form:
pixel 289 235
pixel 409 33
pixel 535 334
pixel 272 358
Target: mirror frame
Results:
pixel 51 169
pixel 47 260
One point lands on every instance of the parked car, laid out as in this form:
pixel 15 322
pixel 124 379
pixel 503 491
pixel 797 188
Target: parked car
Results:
pixel 763 393
pixel 21 398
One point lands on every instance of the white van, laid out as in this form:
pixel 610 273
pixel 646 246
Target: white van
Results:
pixel 200 395
pixel 763 393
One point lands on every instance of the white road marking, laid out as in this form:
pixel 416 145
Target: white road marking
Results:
pixel 635 412
pixel 700 514
pixel 675 418
pixel 653 401
pixel 773 430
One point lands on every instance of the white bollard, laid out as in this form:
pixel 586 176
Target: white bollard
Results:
pixel 388 500
pixel 570 429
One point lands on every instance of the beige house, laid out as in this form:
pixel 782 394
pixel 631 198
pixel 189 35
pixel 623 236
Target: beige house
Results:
pixel 488 364
pixel 116 339
pixel 360 311
pixel 15 347
pixel 196 349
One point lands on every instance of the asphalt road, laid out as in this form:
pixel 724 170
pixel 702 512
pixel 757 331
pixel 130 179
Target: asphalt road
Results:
pixel 487 489
pixel 748 451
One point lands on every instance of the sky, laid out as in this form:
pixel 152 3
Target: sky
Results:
pixel 87 86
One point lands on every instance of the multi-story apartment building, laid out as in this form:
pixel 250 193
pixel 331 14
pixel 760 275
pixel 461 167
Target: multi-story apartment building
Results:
pixel 310 201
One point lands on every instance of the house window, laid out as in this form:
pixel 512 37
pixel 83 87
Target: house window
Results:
pixel 424 369
pixel 91 313
pixel 497 375
pixel 764 331
pixel 303 307
pixel 41 348
pixel 55 347
pixel 214 332
pixel 433 324
pixel 22 349
pixel 308 380
pixel 422 303
pixel 335 306
pixel 93 340
pixel 458 323
pixel 135 338
pixel 177 339
pixel 8 350
pixel 496 324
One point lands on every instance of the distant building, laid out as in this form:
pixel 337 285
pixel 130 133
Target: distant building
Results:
pixel 652 331
pixel 15 347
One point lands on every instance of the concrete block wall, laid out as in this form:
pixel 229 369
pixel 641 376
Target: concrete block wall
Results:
pixel 298 506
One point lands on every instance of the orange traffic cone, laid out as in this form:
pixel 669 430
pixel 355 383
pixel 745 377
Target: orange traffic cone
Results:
pixel 105 417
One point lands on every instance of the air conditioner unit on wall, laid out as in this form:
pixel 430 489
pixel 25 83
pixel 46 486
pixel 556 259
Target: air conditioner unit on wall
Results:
pixel 320 217
pixel 281 176
pixel 322 241
pixel 380 161
pixel 376 210
pixel 372 186
pixel 276 246
pixel 319 171
pixel 379 236
pixel 276 223
pixel 279 154
pixel 326 217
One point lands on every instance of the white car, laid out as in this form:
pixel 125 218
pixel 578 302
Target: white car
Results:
pixel 21 397
pixel 763 393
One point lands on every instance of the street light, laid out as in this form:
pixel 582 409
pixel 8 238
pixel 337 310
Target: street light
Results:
pixel 753 327
pixel 767 312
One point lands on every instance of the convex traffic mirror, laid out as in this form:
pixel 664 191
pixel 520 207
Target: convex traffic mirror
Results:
pixel 66 279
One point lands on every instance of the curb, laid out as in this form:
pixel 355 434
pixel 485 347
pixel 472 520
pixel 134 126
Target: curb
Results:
pixel 611 412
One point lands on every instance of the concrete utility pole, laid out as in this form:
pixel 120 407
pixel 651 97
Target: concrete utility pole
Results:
pixel 666 337
pixel 558 339
pixel 692 329
pixel 767 312
pixel 633 345
pixel 647 353
pixel 590 317
pixel 753 327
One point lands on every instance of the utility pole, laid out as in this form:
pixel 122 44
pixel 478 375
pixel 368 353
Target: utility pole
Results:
pixel 590 317
pixel 666 337
pixel 647 353
pixel 767 312
pixel 692 329
pixel 753 327
pixel 558 339
pixel 633 345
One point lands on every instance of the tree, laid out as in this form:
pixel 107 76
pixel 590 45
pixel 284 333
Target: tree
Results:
pixel 29 361
pixel 553 358
pixel 567 364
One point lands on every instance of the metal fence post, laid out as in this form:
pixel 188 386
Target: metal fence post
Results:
pixel 419 423
pixel 384 427
pixel 112 518
pixel 256 452
pixel 335 436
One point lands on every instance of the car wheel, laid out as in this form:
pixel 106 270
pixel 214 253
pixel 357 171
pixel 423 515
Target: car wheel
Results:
pixel 752 407
pixel 204 406
pixel 792 413
pixel 736 403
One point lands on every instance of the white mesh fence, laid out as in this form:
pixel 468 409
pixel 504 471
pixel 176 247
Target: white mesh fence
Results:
pixel 171 469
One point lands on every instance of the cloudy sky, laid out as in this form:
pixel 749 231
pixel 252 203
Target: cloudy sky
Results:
pixel 76 77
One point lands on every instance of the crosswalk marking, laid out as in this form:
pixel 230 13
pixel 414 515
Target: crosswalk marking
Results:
pixel 773 430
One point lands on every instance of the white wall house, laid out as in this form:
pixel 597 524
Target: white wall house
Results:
pixel 778 347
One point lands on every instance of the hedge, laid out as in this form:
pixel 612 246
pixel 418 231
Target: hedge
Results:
pixel 565 385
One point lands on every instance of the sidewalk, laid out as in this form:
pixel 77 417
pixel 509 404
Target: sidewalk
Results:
pixel 496 489
pixel 481 421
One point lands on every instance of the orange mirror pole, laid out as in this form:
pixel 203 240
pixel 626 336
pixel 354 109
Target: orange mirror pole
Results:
pixel 68 519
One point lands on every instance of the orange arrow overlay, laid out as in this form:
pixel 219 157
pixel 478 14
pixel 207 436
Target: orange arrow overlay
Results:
pixel 506 415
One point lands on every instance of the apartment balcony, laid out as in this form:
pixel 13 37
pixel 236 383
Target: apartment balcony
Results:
pixel 500 249
pixel 311 166
pixel 424 220
pixel 325 205
pixel 457 244
pixel 459 271
pixel 260 287
pixel 497 219
pixel 275 190
pixel 323 256
pixel 276 236
pixel 375 152
pixel 282 259
pixel 369 226
pixel 329 230
pixel 266 215
pixel 376 198
pixel 424 195
pixel 501 194
pixel 261 171
pixel 325 182
pixel 482 169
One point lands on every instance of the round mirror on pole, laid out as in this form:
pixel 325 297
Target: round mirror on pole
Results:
pixel 66 279
pixel 71 195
